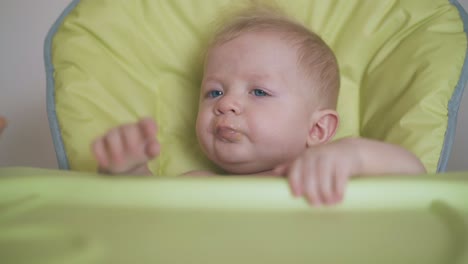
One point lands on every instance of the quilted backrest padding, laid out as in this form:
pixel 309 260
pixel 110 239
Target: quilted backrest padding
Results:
pixel 114 61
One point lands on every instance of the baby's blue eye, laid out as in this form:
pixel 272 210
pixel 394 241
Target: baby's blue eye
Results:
pixel 259 92
pixel 215 93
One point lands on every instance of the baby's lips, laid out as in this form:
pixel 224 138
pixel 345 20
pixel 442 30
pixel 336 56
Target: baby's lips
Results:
pixel 228 134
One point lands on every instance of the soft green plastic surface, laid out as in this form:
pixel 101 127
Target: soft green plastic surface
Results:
pixel 117 61
pixel 68 217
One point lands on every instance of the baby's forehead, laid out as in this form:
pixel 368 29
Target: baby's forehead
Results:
pixel 289 46
pixel 255 42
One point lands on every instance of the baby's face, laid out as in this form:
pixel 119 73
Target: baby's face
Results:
pixel 255 107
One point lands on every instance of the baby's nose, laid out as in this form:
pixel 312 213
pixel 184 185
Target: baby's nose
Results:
pixel 229 104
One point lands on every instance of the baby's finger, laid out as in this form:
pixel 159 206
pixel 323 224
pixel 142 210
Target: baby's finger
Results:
pixel 311 187
pixel 148 130
pixel 148 127
pixel 152 149
pixel 339 186
pixel 99 152
pixel 114 147
pixel 294 178
pixel 133 142
pixel 325 177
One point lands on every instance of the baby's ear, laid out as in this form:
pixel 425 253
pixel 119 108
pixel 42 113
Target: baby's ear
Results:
pixel 323 127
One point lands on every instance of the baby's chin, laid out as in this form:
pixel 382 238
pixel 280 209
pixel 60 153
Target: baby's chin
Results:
pixel 235 166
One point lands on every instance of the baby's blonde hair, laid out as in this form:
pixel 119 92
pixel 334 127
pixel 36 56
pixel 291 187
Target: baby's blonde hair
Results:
pixel 314 55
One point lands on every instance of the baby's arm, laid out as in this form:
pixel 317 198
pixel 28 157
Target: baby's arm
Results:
pixel 127 149
pixel 380 158
pixel 322 172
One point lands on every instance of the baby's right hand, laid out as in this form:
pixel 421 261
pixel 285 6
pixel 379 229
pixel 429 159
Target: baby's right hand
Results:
pixel 128 148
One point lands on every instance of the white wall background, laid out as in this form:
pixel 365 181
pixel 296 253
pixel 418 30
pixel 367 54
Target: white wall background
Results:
pixel 27 141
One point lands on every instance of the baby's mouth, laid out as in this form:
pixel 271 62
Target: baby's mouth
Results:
pixel 227 134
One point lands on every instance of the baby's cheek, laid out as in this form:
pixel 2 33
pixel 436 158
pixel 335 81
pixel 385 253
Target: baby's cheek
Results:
pixel 199 131
pixel 201 122
pixel 291 138
pixel 202 128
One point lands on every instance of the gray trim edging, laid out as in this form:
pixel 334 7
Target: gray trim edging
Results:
pixel 455 100
pixel 62 158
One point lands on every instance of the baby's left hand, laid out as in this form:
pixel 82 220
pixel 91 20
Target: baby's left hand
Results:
pixel 321 173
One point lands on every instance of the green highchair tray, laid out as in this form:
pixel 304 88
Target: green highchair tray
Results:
pixel 51 216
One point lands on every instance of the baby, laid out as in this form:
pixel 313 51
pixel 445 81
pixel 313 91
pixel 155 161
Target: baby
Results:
pixel 267 107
